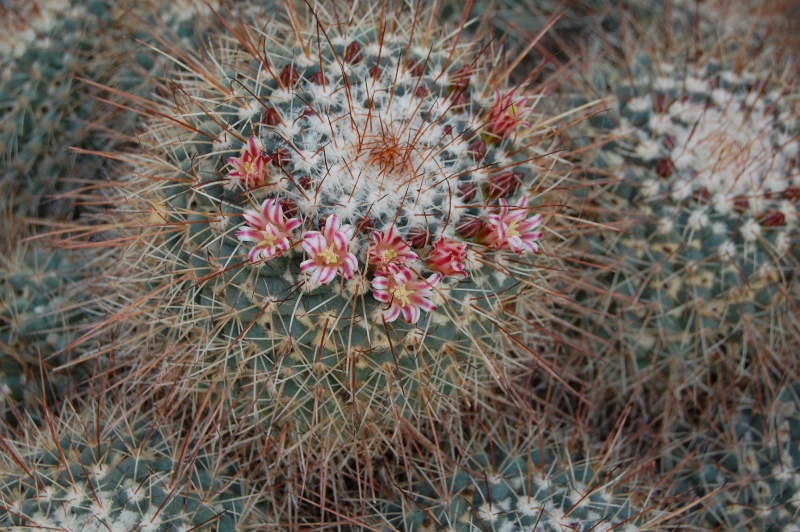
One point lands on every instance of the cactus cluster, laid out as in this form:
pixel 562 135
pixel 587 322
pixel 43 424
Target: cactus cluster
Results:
pixel 40 309
pixel 332 264
pixel 57 54
pixel 43 113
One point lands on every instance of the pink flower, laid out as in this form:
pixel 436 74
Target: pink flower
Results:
pixel 447 257
pixel 328 254
pixel 389 248
pixel 506 115
pixel 250 169
pixel 395 287
pixel 269 229
pixel 513 230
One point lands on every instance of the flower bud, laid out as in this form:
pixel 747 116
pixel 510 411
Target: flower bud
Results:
pixel 289 76
pixel 352 54
pixel 417 238
pixel 501 185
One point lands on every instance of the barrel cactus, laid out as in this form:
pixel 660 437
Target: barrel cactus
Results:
pixel 339 224
pixel 48 107
pixel 102 469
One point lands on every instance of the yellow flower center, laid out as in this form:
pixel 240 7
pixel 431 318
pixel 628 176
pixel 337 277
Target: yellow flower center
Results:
pixel 512 229
pixel 388 255
pixel 329 256
pixel 401 294
pixel 512 110
pixel 248 168
pixel 267 239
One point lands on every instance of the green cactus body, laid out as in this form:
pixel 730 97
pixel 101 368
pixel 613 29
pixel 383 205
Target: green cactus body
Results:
pixel 39 313
pixel 42 113
pixel 516 493
pixel 125 476
pixel 708 163
pixel 342 139
pixel 47 110
pixel 748 474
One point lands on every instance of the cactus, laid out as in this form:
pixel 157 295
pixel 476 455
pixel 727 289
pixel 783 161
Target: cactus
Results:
pixel 700 181
pixel 513 481
pixel 40 312
pixel 346 217
pixel 47 108
pixel 744 470
pixel 103 469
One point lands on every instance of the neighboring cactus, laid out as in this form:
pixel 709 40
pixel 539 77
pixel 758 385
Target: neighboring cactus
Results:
pixel 47 110
pixel 40 312
pixel 346 217
pixel 701 184
pixel 104 469
pixel 746 472
pixel 513 485
pixel 42 113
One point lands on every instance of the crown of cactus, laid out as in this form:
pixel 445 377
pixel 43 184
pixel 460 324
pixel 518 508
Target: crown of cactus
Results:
pixel 746 469
pixel 103 469
pixel 346 212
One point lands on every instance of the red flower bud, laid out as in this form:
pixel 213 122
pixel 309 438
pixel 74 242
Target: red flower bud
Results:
pixel 701 195
pixel 352 54
pixel 271 117
pixel 477 148
pixel 469 227
pixel 318 78
pixel 417 237
pixel 792 194
pixel 664 167
pixel 501 185
pixel 459 99
pixel 281 156
pixel 662 103
pixel 416 67
pixel 772 218
pixel 467 191
pixel 289 76
pixel 289 207
pixel 305 181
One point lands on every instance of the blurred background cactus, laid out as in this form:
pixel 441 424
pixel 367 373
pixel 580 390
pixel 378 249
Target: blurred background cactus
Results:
pixel 95 467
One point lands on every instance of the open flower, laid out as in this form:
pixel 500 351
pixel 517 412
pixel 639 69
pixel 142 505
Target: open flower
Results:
pixel 506 115
pixel 388 248
pixel 328 252
pixel 404 295
pixel 512 229
pixel 250 168
pixel 269 229
pixel 447 257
